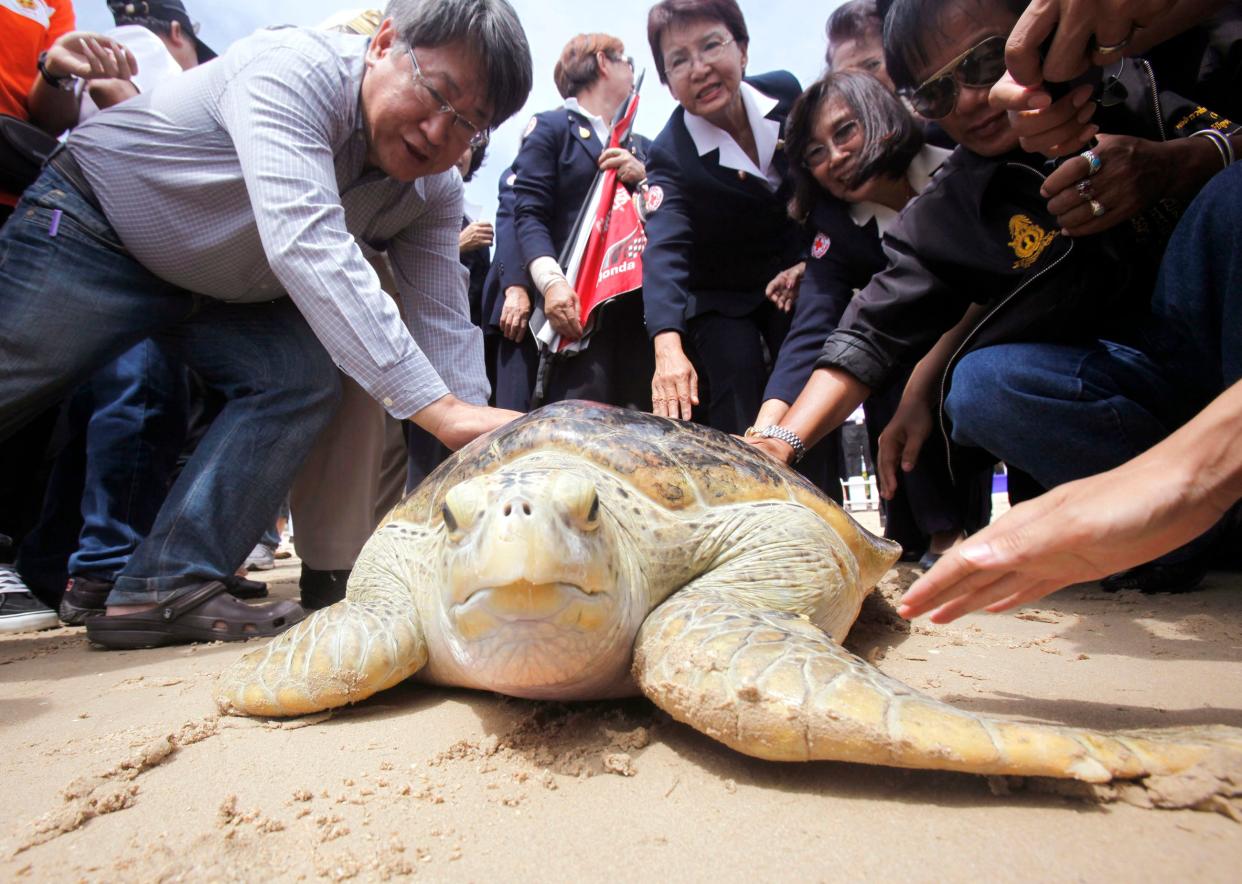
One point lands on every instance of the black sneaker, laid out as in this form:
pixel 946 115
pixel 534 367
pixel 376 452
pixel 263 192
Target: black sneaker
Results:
pixel 321 588
pixel 84 598
pixel 20 611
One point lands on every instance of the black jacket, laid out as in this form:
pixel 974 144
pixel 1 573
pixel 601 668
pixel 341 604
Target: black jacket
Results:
pixel 717 237
pixel 981 232
pixel 554 171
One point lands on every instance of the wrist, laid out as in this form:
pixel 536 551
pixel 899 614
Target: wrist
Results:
pixel 668 343
pixel 64 82
pixel 786 437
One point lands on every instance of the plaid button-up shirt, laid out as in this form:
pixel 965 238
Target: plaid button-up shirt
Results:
pixel 245 179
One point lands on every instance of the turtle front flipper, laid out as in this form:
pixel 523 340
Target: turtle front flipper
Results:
pixel 341 654
pixel 774 686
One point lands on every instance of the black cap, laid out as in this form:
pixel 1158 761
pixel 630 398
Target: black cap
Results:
pixel 164 10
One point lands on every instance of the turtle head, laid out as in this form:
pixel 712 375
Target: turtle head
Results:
pixel 536 601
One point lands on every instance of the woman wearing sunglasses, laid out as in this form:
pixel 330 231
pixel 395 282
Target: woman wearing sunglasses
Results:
pixel 1055 378
pixel 720 232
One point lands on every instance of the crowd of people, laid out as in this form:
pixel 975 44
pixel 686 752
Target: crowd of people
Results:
pixel 252 283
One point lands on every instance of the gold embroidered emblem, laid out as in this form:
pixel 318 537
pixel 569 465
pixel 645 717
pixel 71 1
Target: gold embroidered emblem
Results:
pixel 1028 240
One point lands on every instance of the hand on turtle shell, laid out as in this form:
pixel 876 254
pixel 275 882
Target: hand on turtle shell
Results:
pixel 675 384
pixel 456 423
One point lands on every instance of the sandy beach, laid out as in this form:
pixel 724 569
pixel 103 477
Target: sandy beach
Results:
pixel 117 768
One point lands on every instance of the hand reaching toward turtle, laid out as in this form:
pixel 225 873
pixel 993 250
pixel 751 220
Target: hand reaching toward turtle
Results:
pixel 455 423
pixel 1093 527
pixel 675 384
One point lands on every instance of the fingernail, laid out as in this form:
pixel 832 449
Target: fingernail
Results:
pixel 904 612
pixel 980 554
pixel 1038 100
pixel 1086 113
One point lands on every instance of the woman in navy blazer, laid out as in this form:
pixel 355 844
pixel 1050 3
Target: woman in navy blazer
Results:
pixel 719 231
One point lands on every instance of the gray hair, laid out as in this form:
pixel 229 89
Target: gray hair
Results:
pixel 490 26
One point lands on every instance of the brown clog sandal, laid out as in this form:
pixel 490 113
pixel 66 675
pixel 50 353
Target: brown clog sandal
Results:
pixel 202 613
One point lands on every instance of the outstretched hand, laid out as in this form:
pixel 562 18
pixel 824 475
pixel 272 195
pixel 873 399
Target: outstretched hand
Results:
pixel 91 57
pixel 1077 532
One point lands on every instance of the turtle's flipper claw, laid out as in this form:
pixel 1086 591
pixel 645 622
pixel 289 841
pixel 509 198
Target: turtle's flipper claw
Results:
pixel 339 655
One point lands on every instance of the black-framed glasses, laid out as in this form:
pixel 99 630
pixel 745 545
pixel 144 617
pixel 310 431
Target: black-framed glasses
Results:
pixel 679 65
pixel 478 135
pixel 978 67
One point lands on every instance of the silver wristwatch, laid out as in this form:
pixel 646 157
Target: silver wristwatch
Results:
pixel 789 437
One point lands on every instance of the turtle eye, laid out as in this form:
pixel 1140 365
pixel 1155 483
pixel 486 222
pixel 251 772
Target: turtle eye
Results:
pixel 462 506
pixel 592 515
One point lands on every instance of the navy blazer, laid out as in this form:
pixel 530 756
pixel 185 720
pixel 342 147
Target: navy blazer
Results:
pixel 507 268
pixel 555 167
pixel 717 237
pixel 842 258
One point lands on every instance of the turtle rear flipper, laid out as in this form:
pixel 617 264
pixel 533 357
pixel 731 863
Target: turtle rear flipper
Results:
pixel 772 685
pixel 341 654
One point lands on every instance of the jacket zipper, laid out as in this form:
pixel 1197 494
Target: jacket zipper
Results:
pixel 1155 96
pixel 948 368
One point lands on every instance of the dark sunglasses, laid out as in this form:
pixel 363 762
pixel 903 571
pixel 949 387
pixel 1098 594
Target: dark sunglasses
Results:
pixel 979 66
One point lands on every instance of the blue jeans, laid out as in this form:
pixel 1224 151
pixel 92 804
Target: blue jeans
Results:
pixel 1060 412
pixel 124 430
pixel 73 302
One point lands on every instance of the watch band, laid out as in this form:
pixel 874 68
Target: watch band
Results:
pixel 65 83
pixel 789 437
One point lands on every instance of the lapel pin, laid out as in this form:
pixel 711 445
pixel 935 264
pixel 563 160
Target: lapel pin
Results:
pixel 584 132
pixel 741 175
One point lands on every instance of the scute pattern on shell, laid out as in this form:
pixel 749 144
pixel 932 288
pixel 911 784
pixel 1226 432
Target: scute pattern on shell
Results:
pixel 676 465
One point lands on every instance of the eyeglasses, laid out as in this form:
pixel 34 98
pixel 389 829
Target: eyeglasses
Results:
pixel 679 65
pixel 846 131
pixel 478 136
pixel 979 66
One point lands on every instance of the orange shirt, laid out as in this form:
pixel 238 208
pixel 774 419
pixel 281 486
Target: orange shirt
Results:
pixel 27 27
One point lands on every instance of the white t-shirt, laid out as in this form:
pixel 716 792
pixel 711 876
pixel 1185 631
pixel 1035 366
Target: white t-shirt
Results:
pixel 155 63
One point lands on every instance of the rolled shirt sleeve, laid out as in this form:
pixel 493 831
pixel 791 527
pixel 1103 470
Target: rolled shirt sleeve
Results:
pixel 282 117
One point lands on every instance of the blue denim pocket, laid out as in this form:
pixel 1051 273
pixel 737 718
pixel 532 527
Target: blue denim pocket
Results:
pixel 78 219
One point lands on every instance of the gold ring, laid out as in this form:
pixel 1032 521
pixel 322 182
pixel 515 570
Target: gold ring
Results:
pixel 1097 208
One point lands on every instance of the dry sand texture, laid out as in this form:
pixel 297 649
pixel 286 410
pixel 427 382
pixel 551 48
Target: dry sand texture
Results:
pixel 115 768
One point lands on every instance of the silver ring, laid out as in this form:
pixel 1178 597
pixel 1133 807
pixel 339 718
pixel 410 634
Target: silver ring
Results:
pixel 1085 190
pixel 1097 208
pixel 1093 162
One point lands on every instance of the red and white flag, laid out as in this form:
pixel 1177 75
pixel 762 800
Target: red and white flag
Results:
pixel 605 256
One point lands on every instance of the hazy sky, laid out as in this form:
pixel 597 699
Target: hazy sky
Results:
pixel 783 34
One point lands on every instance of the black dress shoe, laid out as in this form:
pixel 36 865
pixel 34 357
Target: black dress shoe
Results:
pixel 84 598
pixel 1157 577
pixel 243 588
pixel 322 588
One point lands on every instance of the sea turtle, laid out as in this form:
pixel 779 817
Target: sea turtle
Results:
pixel 585 552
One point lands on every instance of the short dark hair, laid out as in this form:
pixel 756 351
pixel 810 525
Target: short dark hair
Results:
pixel 907 24
pixel 578 67
pixel 669 12
pixel 154 25
pixel 891 135
pixel 851 21
pixel 491 26
pixel 477 155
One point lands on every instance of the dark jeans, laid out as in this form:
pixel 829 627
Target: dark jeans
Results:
pixel 1061 412
pixel 73 302
pixel 126 426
